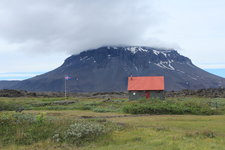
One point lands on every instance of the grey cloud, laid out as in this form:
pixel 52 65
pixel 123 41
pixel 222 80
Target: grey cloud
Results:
pixel 75 25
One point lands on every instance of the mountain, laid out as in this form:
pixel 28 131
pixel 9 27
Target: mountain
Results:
pixel 4 84
pixel 107 69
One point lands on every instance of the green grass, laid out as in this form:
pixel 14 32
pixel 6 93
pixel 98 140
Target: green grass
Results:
pixel 37 125
pixel 166 132
pixel 173 132
pixel 28 128
pixel 177 105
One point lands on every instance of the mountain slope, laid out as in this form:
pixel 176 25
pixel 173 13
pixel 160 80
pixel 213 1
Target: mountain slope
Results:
pixel 107 69
pixel 6 84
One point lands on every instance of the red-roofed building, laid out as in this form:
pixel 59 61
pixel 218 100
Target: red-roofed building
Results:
pixel 146 87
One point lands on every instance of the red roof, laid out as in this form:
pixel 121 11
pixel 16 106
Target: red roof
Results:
pixel 146 83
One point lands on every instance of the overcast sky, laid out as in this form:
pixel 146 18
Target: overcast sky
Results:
pixel 37 35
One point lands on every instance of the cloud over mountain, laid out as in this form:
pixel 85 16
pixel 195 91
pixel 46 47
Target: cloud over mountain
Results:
pixel 74 25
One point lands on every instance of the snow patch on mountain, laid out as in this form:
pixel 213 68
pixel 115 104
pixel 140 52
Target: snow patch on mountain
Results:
pixel 165 65
pixel 135 49
pixel 156 52
pixel 164 52
pixel 85 57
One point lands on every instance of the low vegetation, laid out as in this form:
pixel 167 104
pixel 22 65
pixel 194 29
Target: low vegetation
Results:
pixel 192 105
pixel 82 131
pixel 26 129
pixel 168 107
pixel 103 123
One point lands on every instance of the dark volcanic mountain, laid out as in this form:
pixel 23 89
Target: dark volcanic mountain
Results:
pixel 107 69
pixel 7 84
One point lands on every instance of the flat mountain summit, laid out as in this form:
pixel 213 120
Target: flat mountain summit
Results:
pixel 107 69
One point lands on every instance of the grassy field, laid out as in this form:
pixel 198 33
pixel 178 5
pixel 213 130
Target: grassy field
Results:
pixel 42 119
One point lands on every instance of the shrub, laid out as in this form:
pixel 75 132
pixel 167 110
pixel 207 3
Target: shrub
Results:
pixel 163 107
pixel 9 106
pixel 102 109
pixel 21 128
pixel 81 132
pixel 84 131
pixel 204 134
pixel 85 107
